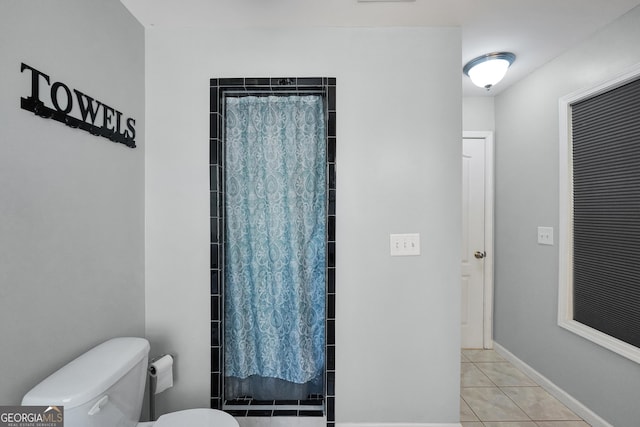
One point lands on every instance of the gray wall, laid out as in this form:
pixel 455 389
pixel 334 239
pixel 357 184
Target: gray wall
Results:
pixel 478 113
pixel 71 204
pixel 398 171
pixel 526 275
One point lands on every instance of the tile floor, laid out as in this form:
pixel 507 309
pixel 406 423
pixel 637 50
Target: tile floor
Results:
pixel 494 393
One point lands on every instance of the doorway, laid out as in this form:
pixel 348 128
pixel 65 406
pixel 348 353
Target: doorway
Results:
pixel 477 241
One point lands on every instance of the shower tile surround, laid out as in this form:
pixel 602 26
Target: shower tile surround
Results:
pixel 219 88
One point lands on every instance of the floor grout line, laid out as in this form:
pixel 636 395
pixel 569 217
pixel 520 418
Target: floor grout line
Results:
pixel 531 419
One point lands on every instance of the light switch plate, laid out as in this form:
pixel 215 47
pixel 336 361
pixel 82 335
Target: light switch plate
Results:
pixel 404 244
pixel 545 235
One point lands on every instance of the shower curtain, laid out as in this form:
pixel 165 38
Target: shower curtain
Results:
pixel 275 246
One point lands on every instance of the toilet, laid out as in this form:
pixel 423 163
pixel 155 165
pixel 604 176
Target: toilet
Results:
pixel 104 387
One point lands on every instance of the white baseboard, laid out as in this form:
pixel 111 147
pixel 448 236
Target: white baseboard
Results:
pixel 397 425
pixel 569 401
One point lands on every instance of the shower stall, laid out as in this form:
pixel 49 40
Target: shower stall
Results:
pixel 272 183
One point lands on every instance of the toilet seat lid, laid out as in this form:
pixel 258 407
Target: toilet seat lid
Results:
pixel 196 418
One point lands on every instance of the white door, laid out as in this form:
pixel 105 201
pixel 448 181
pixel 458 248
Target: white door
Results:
pixel 473 242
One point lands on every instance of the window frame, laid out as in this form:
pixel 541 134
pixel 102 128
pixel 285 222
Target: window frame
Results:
pixel 565 279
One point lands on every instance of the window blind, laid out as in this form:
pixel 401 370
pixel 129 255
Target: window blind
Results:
pixel 606 212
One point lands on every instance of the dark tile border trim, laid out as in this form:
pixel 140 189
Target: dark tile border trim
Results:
pixel 218 89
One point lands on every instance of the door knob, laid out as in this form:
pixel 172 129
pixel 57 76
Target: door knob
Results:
pixel 479 255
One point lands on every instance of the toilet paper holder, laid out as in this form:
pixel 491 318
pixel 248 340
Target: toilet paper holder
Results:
pixel 152 384
pixel 151 368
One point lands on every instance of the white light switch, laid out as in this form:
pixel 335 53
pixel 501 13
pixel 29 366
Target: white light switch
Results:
pixel 545 235
pixel 404 244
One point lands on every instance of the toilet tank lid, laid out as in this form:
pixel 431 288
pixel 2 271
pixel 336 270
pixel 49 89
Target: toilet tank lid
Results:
pixel 89 375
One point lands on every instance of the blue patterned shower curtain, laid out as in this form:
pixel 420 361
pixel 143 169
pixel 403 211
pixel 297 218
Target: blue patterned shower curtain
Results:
pixel 275 242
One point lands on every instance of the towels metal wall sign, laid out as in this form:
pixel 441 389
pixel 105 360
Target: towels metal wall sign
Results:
pixel 56 101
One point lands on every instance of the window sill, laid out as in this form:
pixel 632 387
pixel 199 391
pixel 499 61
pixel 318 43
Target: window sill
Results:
pixel 620 347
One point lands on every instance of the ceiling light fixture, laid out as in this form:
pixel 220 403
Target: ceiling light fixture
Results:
pixel 487 70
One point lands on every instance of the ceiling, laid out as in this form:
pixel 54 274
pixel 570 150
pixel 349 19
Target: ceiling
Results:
pixel 535 30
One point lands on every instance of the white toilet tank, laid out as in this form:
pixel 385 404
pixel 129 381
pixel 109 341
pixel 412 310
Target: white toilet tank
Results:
pixel 104 387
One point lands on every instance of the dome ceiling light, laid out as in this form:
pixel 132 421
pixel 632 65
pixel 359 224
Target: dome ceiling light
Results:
pixel 487 70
